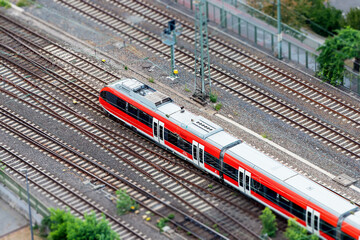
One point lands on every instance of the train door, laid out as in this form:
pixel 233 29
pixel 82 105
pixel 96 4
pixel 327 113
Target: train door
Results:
pixel 158 131
pixel 198 154
pixel 312 220
pixel 244 181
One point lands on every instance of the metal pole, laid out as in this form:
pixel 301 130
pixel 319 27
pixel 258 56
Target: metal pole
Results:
pixel 279 29
pixel 28 196
pixel 173 54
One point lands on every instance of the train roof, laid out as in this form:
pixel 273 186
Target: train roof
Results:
pixel 165 106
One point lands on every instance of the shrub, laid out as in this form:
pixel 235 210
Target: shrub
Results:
pixel 325 19
pixel 5 3
pixel 353 18
pixel 295 232
pixel 269 224
pixel 151 80
pixel 171 216
pixel 218 106
pixel 162 223
pixel 213 97
pixel 125 203
pixel 126 68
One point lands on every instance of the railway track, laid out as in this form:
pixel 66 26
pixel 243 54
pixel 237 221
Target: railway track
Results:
pixel 60 192
pixel 240 58
pixel 341 140
pixel 61 79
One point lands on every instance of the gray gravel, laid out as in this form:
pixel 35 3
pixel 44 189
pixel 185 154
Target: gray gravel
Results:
pixel 238 110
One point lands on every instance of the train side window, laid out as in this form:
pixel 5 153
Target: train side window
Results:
pixel 195 152
pixel 111 98
pixel 212 161
pixel 103 95
pixel 201 155
pixel 144 118
pixel 241 182
pixel 298 211
pixel 155 129
pixel 316 223
pixel 257 187
pixel 186 146
pixel 161 132
pixel 230 171
pixel 284 203
pixel 121 104
pixel 327 228
pixel 247 182
pixel 133 111
pixel 344 236
pixel 309 219
pixel 172 138
pixel 271 195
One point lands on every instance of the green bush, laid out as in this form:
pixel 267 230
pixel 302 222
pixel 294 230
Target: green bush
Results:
pixel 353 18
pixel 295 232
pixel 162 223
pixel 151 80
pixel 64 225
pixel 213 97
pixel 5 4
pixel 218 106
pixel 269 225
pixel 125 203
pixel 334 52
pixel 171 216
pixel 325 19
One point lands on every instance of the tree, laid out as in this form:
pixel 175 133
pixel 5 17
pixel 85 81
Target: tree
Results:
pixel 91 228
pixel 296 232
pixel 65 226
pixel 291 10
pixel 324 20
pixel 269 224
pixel 353 18
pixel 346 45
pixel 124 202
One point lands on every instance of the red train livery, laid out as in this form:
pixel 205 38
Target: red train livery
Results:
pixel 209 147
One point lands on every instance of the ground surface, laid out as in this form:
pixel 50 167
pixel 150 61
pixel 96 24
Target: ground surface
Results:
pixel 243 113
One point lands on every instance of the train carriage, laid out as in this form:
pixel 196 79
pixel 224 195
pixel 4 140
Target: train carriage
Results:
pixel 210 148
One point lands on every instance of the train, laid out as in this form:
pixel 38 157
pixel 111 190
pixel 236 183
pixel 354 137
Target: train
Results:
pixel 250 171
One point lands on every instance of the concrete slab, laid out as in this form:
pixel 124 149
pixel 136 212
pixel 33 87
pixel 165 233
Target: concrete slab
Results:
pixel 10 219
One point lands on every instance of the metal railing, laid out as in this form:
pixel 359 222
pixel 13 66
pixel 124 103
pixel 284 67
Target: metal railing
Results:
pixel 259 28
pixel 37 205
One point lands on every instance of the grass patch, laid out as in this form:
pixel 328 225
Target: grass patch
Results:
pixel 218 106
pixel 265 135
pixel 162 223
pixel 151 80
pixel 5 4
pixel 213 97
pixel 24 3
pixel 210 186
pixel 186 88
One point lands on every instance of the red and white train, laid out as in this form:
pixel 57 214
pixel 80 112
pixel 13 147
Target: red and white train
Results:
pixel 210 148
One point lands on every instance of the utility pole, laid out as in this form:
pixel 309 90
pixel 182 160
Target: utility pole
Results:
pixel 202 59
pixel 169 38
pixel 28 198
pixel 279 29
